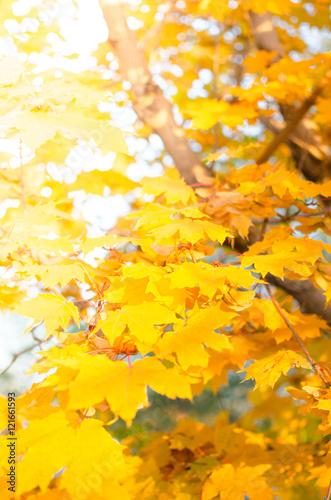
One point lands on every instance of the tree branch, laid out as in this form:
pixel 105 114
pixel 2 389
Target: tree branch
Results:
pixel 311 159
pixel 311 299
pixel 311 156
pixel 290 127
pixel 316 167
pixel 154 110
pixel 150 104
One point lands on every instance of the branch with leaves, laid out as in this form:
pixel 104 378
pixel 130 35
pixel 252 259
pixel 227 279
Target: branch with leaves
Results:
pixel 309 153
pixel 156 317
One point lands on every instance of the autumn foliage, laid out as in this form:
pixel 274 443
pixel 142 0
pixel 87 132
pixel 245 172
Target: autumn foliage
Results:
pixel 228 273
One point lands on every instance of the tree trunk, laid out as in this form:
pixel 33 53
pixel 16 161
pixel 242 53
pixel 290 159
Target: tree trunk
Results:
pixel 151 106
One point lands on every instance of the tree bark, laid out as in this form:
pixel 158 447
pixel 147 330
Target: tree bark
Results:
pixel 311 299
pixel 151 106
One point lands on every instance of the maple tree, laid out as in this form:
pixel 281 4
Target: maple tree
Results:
pixel 221 265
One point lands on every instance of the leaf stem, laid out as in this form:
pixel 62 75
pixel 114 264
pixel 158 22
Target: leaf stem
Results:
pixel 311 360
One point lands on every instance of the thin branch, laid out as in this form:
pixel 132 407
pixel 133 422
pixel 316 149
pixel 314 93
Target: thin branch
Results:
pixel 328 496
pixel 317 151
pixel 316 164
pixel 17 355
pixel 34 336
pixel 311 360
pixel 39 342
pixel 310 298
pixel 291 126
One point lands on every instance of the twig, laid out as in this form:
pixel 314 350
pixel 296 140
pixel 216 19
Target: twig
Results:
pixel 15 356
pixel 311 360
pixel 225 255
pixel 36 338
pixel 328 496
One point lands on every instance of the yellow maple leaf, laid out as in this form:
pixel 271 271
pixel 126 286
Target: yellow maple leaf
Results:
pixel 54 310
pixel 242 223
pixel 174 190
pixel 143 270
pixel 210 279
pixel 140 319
pixel 60 441
pixel 155 215
pixel 124 386
pixel 189 231
pixel 236 482
pixel 38 127
pixel 259 60
pixel 276 263
pixel 188 339
pixel 55 274
pixel 94 182
pixel 57 245
pixel 128 290
pixel 266 371
pixel 215 111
